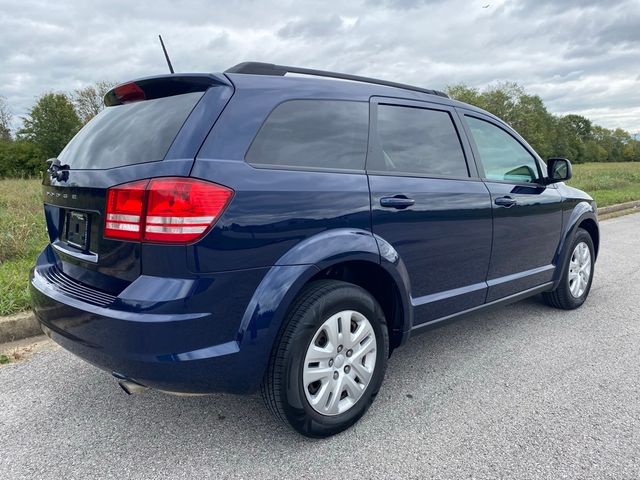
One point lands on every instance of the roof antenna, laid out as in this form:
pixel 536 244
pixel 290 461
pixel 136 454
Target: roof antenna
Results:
pixel 166 55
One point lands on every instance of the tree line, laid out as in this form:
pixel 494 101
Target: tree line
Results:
pixel 56 117
pixel 571 136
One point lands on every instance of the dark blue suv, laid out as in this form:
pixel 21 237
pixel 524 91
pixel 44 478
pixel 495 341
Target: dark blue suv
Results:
pixel 250 230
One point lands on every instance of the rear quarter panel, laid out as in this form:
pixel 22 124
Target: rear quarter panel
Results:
pixel 272 209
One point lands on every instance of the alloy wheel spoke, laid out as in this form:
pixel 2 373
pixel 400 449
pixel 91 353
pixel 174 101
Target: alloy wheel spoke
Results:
pixel 312 375
pixel 363 373
pixel 577 287
pixel 319 354
pixel 332 328
pixel 354 390
pixel 336 393
pixel 320 399
pixel 362 350
pixel 584 250
pixel 363 331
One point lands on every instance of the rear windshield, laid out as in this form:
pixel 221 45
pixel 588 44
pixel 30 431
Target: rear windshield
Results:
pixel 131 133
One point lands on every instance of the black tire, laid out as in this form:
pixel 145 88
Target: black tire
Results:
pixel 283 389
pixel 561 297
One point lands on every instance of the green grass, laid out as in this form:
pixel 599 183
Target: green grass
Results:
pixel 23 233
pixel 608 183
pixel 22 236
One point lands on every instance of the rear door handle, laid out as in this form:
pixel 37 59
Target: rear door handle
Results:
pixel 397 201
pixel 505 201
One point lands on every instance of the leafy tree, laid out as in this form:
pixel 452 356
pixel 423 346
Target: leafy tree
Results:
pixel 595 152
pixel 51 123
pixel 567 141
pixel 532 120
pixel 502 100
pixel 631 152
pixel 89 101
pixel 21 158
pixel 5 119
pixel 581 125
pixel 465 94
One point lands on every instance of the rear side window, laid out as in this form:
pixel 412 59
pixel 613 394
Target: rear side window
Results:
pixel 131 133
pixel 419 141
pixel 323 134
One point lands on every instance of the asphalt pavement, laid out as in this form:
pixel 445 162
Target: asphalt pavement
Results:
pixel 522 392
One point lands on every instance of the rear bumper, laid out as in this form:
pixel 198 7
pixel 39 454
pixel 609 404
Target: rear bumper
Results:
pixel 177 335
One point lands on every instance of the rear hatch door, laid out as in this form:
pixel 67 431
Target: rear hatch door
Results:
pixel 150 128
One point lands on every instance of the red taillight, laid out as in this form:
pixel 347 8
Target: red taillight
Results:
pixel 165 210
pixel 129 92
pixel 181 210
pixel 125 210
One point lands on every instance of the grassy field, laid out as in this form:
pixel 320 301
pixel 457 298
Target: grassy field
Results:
pixel 608 183
pixel 23 234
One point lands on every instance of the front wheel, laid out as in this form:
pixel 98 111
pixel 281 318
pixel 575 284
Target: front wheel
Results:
pixel 330 359
pixel 576 280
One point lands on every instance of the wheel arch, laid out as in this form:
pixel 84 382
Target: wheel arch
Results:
pixel 367 260
pixel 583 216
pixel 382 286
pixel 591 226
pixel 349 254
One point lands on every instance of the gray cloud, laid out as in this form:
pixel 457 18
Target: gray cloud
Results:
pixel 312 28
pixel 553 6
pixel 401 4
pixel 580 56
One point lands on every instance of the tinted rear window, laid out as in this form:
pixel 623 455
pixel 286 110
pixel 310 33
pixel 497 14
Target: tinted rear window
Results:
pixel 419 141
pixel 313 133
pixel 131 133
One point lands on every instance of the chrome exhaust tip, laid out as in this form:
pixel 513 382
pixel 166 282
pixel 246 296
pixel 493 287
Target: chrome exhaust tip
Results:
pixel 129 386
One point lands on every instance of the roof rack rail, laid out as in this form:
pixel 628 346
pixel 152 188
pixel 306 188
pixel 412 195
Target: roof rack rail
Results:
pixel 259 68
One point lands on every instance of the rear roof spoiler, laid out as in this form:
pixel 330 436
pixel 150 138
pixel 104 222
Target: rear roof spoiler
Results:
pixel 259 68
pixel 160 86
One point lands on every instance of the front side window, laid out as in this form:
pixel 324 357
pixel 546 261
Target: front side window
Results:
pixel 324 134
pixel 502 156
pixel 418 141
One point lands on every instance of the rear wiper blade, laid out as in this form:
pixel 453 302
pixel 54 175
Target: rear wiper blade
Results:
pixel 57 170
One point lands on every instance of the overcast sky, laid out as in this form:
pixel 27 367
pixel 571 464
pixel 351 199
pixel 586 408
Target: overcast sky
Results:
pixel 579 56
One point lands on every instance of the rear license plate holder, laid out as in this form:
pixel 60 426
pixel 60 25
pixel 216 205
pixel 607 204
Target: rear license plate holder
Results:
pixel 78 230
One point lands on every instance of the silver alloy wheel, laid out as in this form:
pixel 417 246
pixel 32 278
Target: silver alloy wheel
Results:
pixel 339 363
pixel 579 269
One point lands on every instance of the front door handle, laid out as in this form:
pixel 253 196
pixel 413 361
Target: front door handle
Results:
pixel 397 201
pixel 505 201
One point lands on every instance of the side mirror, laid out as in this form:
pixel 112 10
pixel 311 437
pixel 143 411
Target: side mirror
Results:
pixel 559 170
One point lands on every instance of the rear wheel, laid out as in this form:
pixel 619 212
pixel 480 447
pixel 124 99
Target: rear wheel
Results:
pixel 330 359
pixel 576 280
